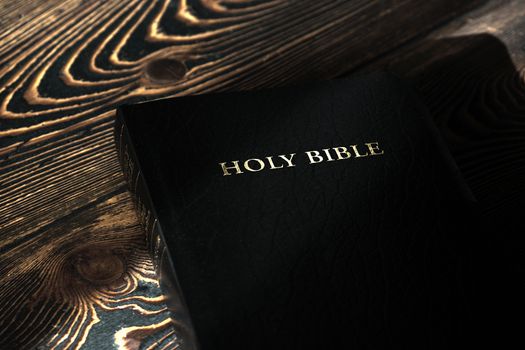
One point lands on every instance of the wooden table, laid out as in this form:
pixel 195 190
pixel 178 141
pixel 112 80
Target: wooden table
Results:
pixel 74 268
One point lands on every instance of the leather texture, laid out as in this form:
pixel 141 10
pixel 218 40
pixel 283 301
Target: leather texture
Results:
pixel 361 253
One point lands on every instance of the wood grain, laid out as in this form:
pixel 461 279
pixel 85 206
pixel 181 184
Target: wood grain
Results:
pixel 74 271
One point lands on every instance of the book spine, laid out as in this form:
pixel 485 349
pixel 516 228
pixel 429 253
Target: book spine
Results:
pixel 137 187
pixel 154 238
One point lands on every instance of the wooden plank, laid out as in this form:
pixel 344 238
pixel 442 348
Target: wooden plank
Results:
pixel 73 271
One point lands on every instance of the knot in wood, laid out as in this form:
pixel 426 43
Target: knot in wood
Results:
pixel 164 71
pixel 99 266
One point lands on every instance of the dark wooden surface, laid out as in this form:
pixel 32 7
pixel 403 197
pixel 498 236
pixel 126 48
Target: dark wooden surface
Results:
pixel 74 270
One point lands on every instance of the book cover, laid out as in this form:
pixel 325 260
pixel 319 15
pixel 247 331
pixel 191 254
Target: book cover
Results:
pixel 302 217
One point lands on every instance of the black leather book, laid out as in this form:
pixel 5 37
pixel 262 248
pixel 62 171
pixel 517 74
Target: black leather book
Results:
pixel 322 216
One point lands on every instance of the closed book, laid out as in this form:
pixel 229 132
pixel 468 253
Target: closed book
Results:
pixel 323 216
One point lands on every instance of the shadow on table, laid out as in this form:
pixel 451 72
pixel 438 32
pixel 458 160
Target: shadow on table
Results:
pixel 476 96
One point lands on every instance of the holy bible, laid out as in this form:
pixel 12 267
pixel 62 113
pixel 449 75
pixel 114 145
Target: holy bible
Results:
pixel 322 216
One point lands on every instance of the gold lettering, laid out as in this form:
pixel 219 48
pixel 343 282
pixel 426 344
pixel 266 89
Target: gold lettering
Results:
pixel 357 154
pixel 234 166
pixel 247 165
pixel 288 160
pixel 314 154
pixel 328 155
pixel 374 148
pixel 342 151
pixel 272 165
